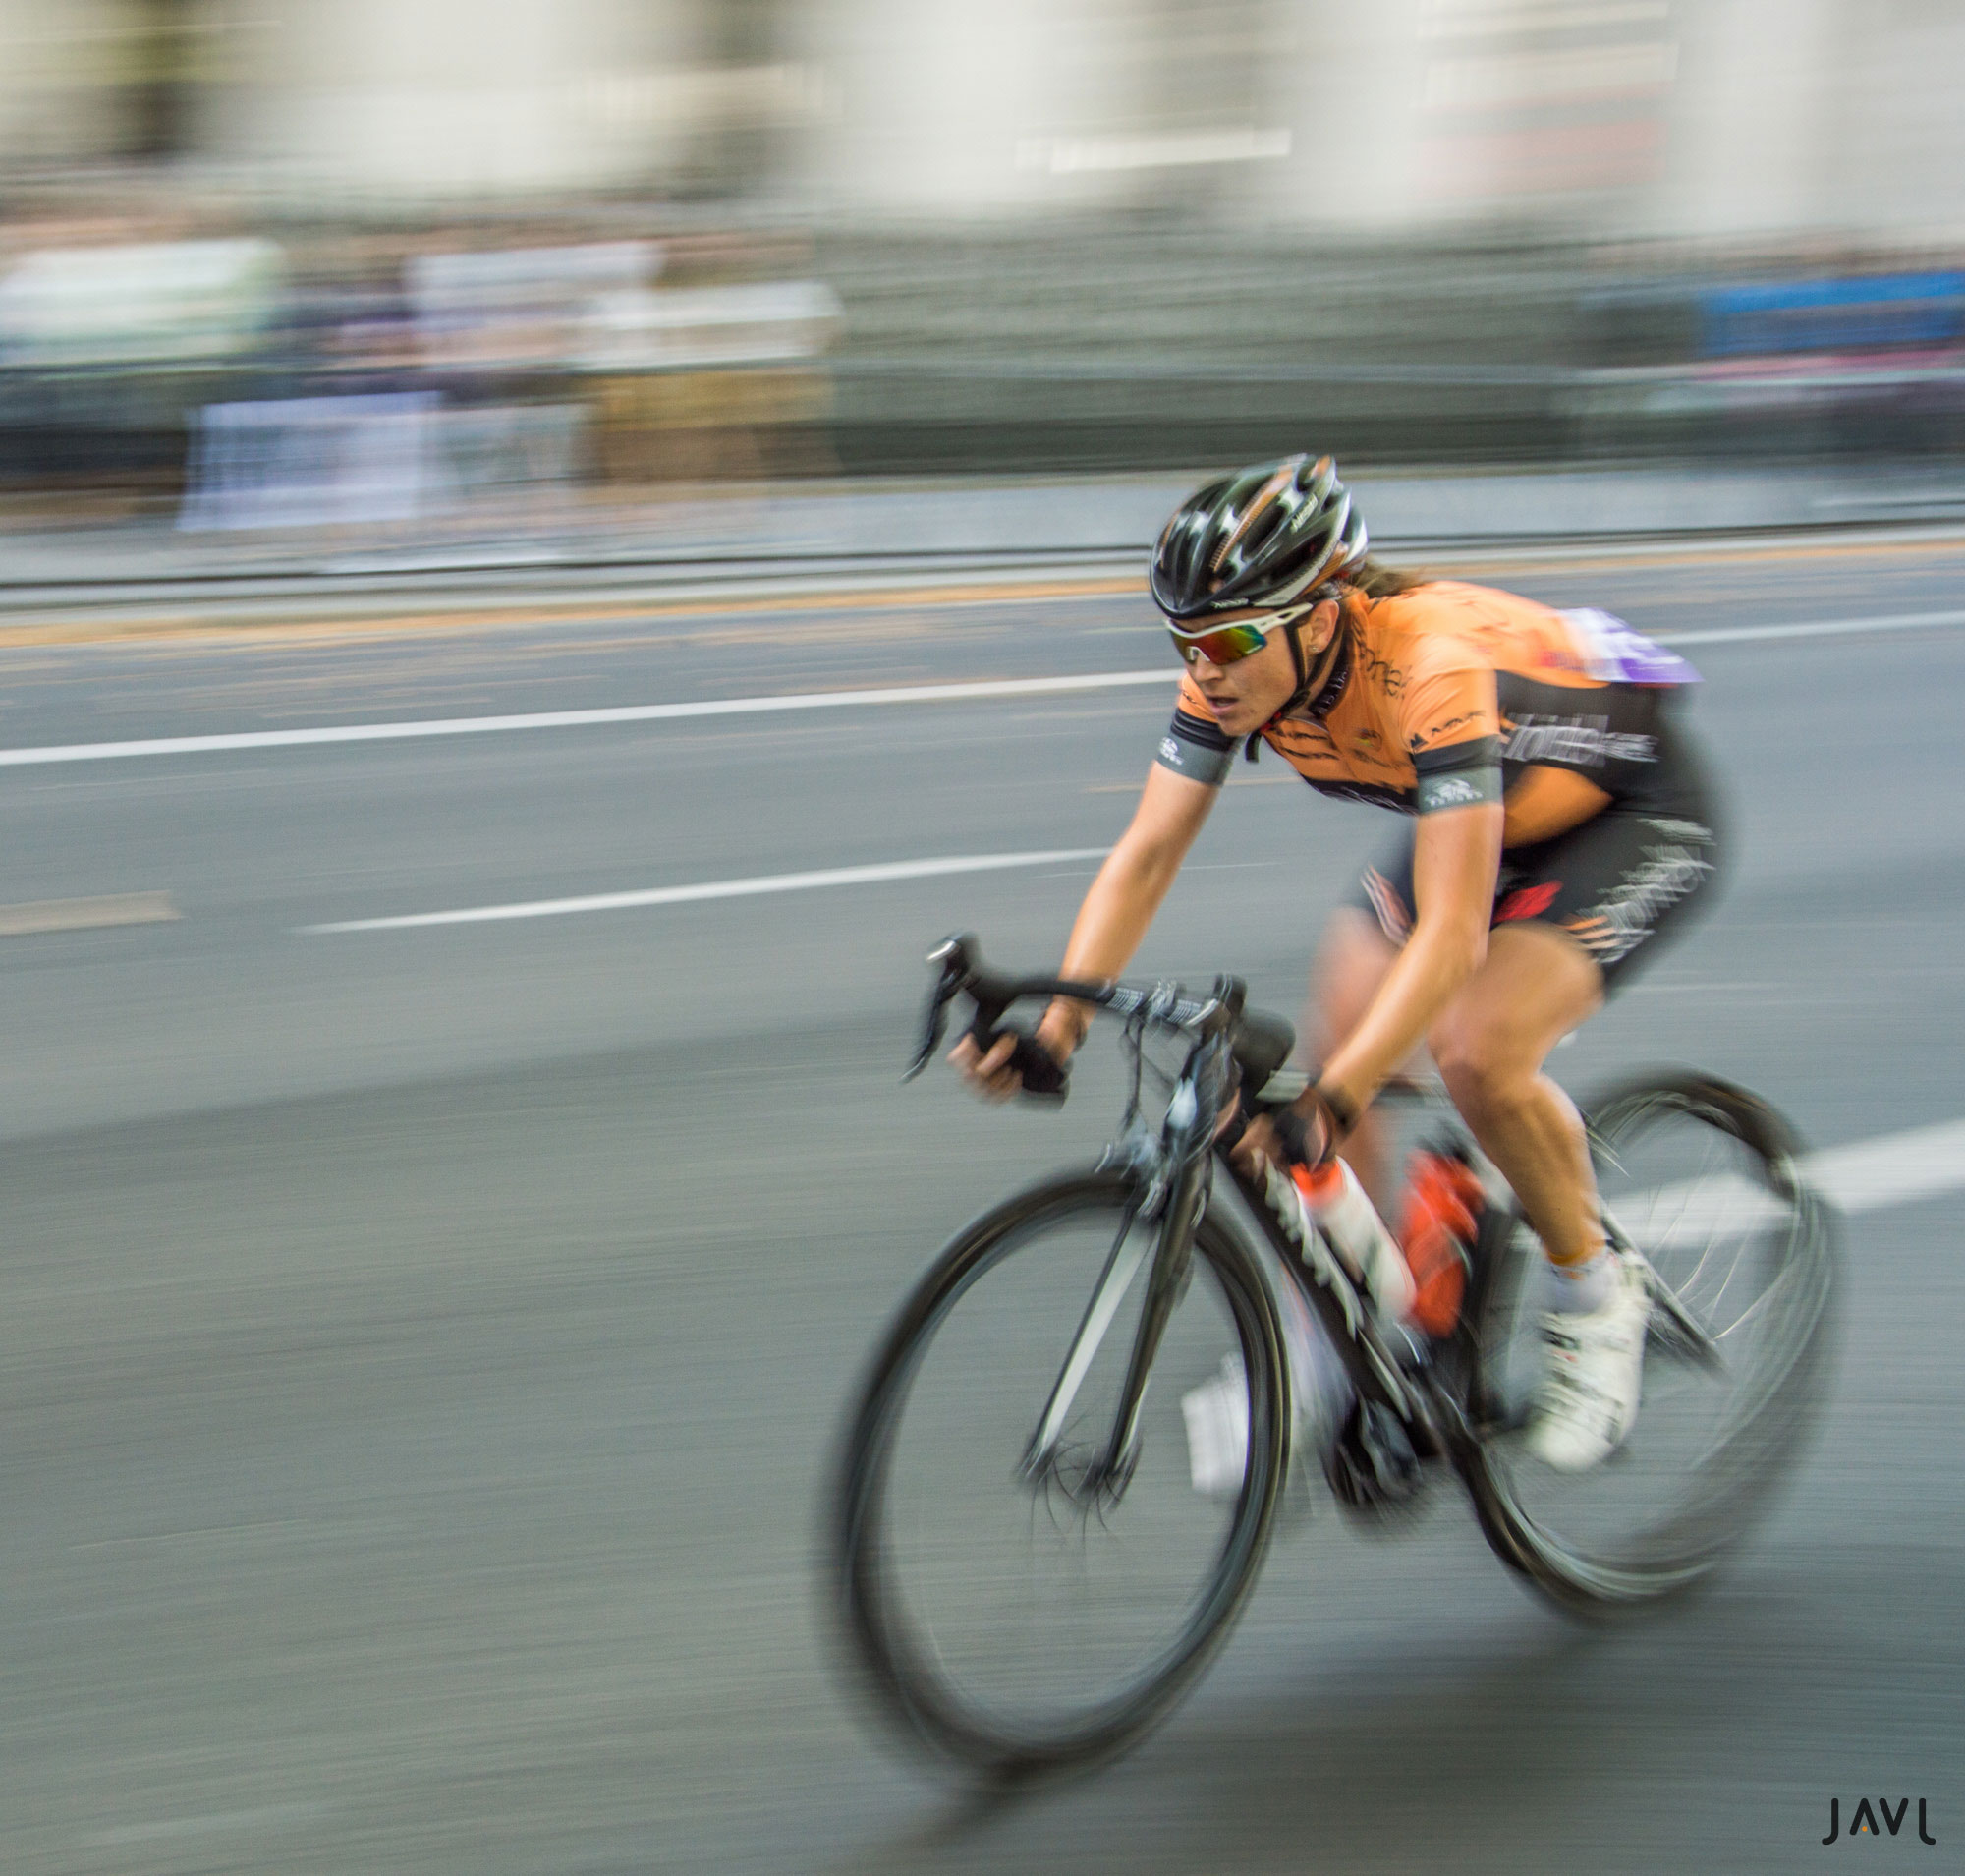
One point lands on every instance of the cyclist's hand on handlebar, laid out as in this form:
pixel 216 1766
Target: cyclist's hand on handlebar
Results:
pixel 1263 1142
pixel 1258 1146
pixel 992 1075
pixel 995 1076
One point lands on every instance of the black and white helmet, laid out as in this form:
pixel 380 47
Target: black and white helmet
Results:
pixel 1265 536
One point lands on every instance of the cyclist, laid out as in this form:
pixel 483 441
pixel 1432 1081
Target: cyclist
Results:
pixel 1561 823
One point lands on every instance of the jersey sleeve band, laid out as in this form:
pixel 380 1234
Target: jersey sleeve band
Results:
pixel 1198 749
pixel 1460 775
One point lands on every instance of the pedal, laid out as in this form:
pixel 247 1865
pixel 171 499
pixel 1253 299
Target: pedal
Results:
pixel 1374 1466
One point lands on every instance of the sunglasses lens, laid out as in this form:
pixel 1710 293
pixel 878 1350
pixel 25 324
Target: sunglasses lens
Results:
pixel 1223 646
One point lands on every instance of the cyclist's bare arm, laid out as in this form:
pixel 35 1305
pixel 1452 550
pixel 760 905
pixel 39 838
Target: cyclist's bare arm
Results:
pixel 1117 910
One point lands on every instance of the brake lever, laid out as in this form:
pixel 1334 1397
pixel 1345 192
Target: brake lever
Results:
pixel 1044 1078
pixel 933 1024
pixel 947 985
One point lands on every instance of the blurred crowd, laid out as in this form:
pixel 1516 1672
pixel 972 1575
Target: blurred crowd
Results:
pixel 377 262
pixel 349 373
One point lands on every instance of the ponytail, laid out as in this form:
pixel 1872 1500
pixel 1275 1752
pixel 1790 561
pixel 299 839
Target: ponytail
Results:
pixel 1377 580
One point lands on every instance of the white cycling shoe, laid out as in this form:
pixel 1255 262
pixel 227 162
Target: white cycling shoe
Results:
pixel 1588 1400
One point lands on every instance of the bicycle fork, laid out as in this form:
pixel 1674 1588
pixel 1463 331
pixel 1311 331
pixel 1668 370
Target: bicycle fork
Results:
pixel 1172 1259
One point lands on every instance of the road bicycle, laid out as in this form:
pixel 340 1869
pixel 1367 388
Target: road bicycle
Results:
pixel 1060 1475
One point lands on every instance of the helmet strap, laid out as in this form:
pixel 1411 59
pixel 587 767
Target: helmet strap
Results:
pixel 1310 678
pixel 1300 660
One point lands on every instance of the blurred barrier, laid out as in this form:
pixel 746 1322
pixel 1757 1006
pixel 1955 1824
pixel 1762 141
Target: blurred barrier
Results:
pixel 103 349
pixel 1867 364
pixel 1152 349
pixel 521 308
pixel 138 304
pixel 310 462
pixel 528 450
pixel 1100 346
pixel 328 460
pixel 711 383
pixel 1863 314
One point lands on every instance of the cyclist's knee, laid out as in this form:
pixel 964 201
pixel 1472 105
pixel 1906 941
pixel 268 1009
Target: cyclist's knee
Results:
pixel 1484 1062
pixel 1351 964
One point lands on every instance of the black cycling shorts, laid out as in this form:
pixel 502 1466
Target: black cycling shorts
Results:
pixel 1616 884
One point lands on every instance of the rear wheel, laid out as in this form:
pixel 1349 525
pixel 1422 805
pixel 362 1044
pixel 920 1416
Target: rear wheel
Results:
pixel 1699 1181
pixel 1019 1618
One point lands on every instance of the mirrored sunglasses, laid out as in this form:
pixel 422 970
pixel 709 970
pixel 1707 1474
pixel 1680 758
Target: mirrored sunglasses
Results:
pixel 1226 643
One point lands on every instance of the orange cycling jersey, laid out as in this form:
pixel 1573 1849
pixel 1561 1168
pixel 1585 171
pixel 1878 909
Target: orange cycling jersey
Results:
pixel 1450 695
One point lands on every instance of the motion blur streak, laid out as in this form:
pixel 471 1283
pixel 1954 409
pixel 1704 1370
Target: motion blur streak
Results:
pixel 420 1359
pixel 419 1355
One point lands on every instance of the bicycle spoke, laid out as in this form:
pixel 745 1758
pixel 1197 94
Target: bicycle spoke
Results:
pixel 1674 1328
pixel 1694 1188
pixel 1016 1610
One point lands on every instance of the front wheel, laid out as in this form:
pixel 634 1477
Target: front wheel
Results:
pixel 1013 1608
pixel 1699 1181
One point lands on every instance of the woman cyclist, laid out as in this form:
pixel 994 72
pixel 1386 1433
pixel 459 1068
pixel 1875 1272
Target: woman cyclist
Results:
pixel 1560 823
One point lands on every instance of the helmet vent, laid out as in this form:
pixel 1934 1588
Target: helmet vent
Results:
pixel 1259 538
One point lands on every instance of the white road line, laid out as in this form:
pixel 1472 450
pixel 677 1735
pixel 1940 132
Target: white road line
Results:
pixel 1895 1170
pixel 1165 674
pixel 1815 629
pixel 804 701
pixel 1866 1175
pixel 720 889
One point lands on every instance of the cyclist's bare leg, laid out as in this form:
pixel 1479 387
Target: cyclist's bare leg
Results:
pixel 1351 964
pixel 1536 986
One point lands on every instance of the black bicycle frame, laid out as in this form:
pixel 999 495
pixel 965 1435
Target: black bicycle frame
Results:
pixel 1182 1163
pixel 1341 1306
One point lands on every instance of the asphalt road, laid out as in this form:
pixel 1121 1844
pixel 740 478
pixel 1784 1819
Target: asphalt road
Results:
pixel 420 1347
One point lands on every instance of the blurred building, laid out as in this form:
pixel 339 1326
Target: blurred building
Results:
pixel 391 255
pixel 1642 117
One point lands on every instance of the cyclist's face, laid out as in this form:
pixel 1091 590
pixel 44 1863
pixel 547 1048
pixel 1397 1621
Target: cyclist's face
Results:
pixel 1246 694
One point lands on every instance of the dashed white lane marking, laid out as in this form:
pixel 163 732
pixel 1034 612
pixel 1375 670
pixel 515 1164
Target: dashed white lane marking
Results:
pixel 721 889
pixel 802 700
pixel 84 915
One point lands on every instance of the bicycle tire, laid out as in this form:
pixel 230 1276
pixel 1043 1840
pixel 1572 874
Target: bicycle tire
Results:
pixel 1778 1371
pixel 917 1684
